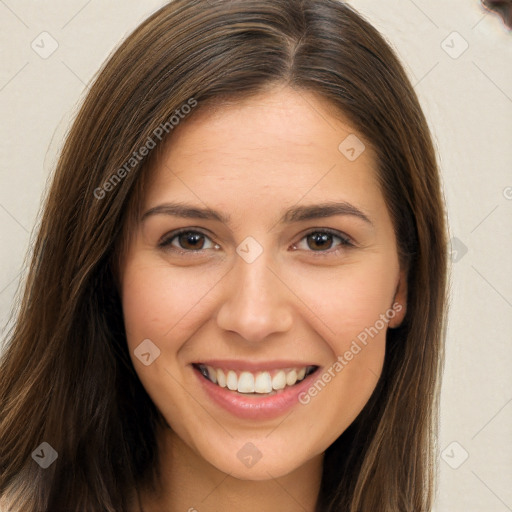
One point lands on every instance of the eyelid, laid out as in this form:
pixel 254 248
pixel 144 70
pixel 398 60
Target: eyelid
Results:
pixel 334 232
pixel 346 242
pixel 165 241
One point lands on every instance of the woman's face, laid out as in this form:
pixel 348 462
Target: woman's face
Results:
pixel 288 264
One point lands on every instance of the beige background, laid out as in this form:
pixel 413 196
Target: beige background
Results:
pixel 467 96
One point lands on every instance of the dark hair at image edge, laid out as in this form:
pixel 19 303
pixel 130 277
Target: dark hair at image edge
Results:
pixel 66 376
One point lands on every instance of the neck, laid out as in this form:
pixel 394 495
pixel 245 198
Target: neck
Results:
pixel 189 483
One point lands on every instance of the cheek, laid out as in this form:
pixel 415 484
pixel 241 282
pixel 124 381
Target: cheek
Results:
pixel 163 305
pixel 353 306
pixel 350 301
pixel 159 302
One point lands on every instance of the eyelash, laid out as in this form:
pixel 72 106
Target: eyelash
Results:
pixel 345 241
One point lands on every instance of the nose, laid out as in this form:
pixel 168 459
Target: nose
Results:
pixel 256 301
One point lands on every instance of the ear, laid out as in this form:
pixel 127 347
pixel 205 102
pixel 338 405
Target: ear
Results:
pixel 399 305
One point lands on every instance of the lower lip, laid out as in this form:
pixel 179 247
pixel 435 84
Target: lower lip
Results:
pixel 254 407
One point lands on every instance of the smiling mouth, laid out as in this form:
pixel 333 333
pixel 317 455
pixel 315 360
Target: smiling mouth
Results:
pixel 255 383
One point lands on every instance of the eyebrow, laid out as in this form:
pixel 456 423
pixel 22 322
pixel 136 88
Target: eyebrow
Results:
pixel 293 214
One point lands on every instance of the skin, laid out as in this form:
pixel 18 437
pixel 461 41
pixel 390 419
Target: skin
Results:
pixel 251 161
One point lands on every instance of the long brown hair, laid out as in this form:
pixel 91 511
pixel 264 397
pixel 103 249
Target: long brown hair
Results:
pixel 66 376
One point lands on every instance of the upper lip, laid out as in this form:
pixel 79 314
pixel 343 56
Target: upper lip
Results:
pixel 251 366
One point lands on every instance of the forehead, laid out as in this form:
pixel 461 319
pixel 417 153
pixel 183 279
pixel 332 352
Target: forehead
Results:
pixel 273 149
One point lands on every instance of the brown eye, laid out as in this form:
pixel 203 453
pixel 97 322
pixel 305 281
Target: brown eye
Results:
pixel 320 241
pixel 187 241
pixel 191 240
pixel 323 242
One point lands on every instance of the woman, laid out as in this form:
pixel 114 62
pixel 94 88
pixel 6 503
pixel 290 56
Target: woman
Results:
pixel 237 294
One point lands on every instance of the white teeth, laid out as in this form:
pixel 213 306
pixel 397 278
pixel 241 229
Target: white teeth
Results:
pixel 291 378
pixel 248 382
pixel 212 374
pixel 232 381
pixel 263 383
pixel 221 379
pixel 279 380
